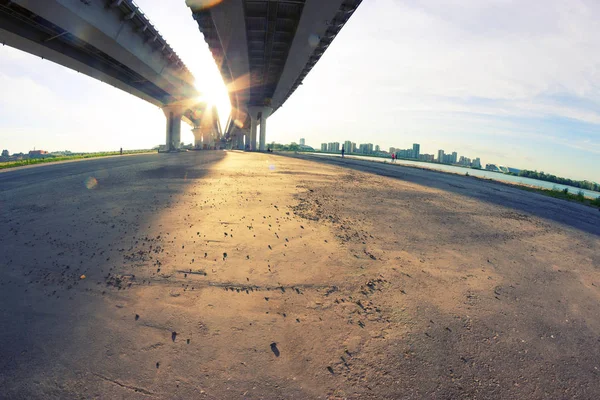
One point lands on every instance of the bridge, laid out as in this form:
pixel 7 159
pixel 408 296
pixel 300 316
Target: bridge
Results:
pixel 114 42
pixel 264 50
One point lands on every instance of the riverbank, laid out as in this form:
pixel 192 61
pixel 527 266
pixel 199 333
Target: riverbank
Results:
pixel 35 161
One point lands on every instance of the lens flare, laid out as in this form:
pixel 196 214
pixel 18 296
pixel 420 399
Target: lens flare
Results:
pixel 90 182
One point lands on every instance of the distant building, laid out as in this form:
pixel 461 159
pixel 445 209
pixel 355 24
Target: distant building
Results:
pixel 416 150
pixel 353 147
pixel 302 142
pixel 492 167
pixel 348 146
pixel 377 148
pixel 5 153
pixel 440 157
pixel 476 163
pixel 366 148
pixel 37 153
pixel 333 147
pixel 392 150
pixel 324 147
pixel 454 157
pixel 304 147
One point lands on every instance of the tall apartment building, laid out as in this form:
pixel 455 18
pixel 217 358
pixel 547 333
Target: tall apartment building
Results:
pixel 440 157
pixel 348 146
pixel 333 147
pixel 416 150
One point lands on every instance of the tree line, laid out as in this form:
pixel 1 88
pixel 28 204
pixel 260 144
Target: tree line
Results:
pixel 562 181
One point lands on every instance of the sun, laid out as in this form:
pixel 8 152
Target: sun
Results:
pixel 214 92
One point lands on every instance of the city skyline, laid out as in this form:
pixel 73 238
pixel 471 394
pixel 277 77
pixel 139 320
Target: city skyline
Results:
pixel 519 91
pixel 411 153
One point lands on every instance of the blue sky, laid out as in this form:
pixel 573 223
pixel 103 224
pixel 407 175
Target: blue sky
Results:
pixel 513 82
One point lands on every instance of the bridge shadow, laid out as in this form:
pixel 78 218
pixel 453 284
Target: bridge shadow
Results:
pixel 71 247
pixel 570 214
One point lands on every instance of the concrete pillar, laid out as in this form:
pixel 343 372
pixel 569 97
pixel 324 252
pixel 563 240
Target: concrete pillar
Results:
pixel 254 113
pixel 197 137
pixel 242 135
pixel 173 139
pixel 253 123
pixel 266 112
pixel 245 138
pixel 237 139
pixel 208 138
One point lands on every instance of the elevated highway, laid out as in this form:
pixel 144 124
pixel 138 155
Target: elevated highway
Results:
pixel 114 42
pixel 264 49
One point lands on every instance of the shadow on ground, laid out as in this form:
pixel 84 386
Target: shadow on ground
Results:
pixel 70 247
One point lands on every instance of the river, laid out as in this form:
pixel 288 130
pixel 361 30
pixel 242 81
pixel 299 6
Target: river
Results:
pixel 482 173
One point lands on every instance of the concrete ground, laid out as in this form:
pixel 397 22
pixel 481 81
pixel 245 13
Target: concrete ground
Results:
pixel 217 275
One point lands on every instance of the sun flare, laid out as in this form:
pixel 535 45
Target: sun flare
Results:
pixel 214 92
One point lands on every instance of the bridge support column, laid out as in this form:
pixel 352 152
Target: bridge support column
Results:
pixel 237 140
pixel 197 137
pixel 242 135
pixel 254 113
pixel 208 139
pixel 265 113
pixel 173 139
pixel 253 123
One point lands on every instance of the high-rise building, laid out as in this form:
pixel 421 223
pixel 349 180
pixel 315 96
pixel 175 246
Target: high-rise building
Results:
pixel 353 147
pixel 365 148
pixel 416 150
pixel 302 142
pixel 5 153
pixel 454 157
pixel 324 147
pixel 440 158
pixel 377 148
pixel 476 163
pixel 348 146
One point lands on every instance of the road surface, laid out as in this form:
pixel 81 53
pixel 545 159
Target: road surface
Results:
pixel 218 275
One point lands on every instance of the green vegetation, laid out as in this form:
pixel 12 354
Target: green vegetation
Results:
pixel 563 181
pixel 563 194
pixel 284 147
pixel 50 158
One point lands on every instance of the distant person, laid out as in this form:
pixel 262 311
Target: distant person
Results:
pixel 121 151
pixel 393 157
pixel 343 151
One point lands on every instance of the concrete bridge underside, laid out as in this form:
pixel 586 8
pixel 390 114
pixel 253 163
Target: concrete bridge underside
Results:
pixel 264 49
